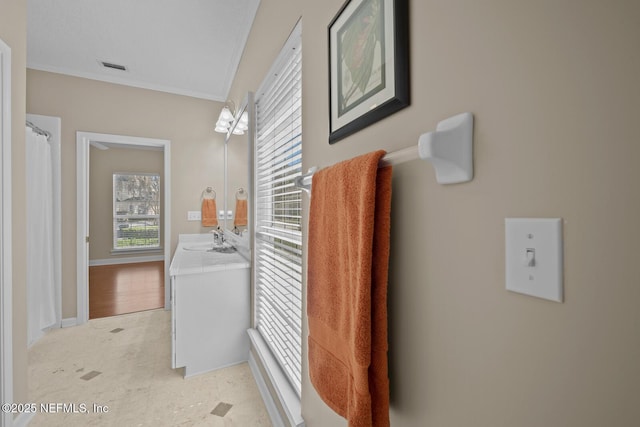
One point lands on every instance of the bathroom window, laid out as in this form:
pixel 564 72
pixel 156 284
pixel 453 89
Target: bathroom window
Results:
pixel 278 261
pixel 136 211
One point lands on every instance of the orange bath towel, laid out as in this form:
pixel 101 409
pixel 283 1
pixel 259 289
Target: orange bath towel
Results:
pixel 241 213
pixel 349 226
pixel 209 213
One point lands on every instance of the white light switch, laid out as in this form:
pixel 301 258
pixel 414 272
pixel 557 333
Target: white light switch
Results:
pixel 530 257
pixel 534 257
pixel 194 215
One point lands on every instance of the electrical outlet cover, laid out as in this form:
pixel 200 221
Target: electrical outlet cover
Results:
pixel 194 215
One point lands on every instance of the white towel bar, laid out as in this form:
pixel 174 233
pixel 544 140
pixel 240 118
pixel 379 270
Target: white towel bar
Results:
pixel 449 148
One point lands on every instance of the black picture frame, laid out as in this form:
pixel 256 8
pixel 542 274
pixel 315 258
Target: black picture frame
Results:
pixel 368 64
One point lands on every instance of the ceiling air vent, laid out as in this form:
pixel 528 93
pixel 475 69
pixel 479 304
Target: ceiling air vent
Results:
pixel 113 66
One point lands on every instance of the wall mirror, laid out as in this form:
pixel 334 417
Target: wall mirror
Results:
pixel 238 182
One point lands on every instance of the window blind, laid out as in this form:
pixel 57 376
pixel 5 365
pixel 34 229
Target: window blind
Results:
pixel 278 247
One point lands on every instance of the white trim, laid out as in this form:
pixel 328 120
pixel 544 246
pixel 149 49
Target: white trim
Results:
pixel 127 260
pixel 251 11
pixel 23 420
pixel 69 322
pixel 132 251
pixel 82 229
pixel 167 223
pixel 83 141
pixel 269 403
pixel 126 82
pixel 99 146
pixel 6 275
pixel 285 392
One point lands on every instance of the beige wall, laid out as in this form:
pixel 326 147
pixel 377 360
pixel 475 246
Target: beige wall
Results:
pixel 554 89
pixel 553 86
pixel 92 106
pixel 13 31
pixel 103 164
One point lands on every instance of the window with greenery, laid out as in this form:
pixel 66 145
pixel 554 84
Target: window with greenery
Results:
pixel 136 211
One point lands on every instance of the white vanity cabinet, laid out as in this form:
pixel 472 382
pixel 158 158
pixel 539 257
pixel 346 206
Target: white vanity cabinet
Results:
pixel 210 302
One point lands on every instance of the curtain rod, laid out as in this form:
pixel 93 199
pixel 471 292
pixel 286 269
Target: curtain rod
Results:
pixel 449 148
pixel 37 130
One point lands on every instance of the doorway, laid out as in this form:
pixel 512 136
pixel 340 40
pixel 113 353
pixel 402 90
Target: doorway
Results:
pixel 84 141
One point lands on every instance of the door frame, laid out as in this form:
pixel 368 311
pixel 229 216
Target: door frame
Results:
pixel 83 143
pixel 6 277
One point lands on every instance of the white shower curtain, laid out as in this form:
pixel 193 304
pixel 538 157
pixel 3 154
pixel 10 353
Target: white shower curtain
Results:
pixel 40 254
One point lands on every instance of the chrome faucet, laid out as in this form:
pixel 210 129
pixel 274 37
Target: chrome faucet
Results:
pixel 218 236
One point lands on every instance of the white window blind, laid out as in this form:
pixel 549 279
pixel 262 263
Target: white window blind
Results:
pixel 278 256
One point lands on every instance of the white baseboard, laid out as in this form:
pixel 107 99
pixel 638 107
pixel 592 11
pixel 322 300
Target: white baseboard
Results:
pixel 23 419
pixel 273 412
pixel 125 260
pixel 68 322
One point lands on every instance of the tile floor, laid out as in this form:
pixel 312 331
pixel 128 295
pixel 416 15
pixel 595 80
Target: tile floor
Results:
pixel 123 363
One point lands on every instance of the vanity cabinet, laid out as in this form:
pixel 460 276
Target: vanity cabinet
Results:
pixel 210 310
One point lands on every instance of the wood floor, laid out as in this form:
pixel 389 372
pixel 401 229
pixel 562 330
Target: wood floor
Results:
pixel 125 288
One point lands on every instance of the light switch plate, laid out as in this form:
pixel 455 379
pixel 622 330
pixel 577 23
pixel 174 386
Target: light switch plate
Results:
pixel 534 257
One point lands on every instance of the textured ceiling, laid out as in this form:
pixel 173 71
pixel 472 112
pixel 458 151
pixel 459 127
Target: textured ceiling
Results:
pixel 187 47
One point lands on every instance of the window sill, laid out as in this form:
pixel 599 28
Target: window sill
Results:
pixel 285 393
pixel 136 251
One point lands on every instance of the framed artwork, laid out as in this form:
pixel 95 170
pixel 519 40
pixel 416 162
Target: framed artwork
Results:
pixel 368 64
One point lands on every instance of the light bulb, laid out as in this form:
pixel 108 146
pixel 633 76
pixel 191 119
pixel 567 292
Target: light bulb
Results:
pixel 225 114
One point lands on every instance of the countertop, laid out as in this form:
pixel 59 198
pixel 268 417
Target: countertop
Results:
pixel 191 256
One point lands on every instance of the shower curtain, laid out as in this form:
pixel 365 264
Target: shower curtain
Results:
pixel 40 254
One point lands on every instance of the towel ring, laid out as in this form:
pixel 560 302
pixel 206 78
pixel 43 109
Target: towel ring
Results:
pixel 208 193
pixel 241 194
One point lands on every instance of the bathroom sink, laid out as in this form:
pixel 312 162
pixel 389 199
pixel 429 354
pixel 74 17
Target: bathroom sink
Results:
pixel 211 247
pixel 201 247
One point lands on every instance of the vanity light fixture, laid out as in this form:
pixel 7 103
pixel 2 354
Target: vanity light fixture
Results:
pixel 242 125
pixel 226 121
